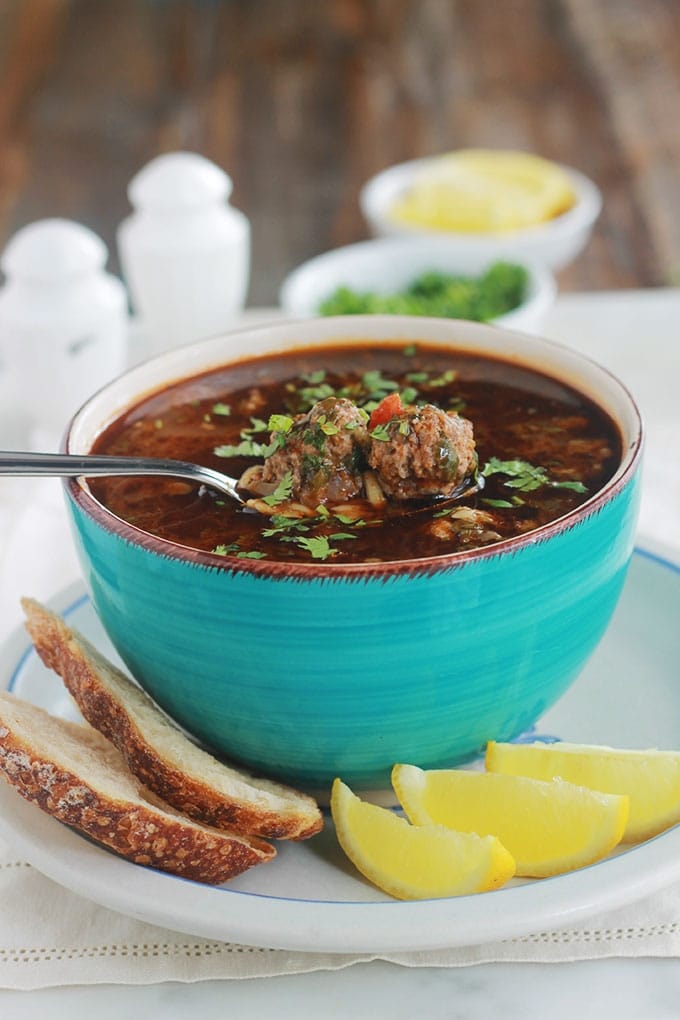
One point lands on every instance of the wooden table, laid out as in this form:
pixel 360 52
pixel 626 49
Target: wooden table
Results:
pixel 301 101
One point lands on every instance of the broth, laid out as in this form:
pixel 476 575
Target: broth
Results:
pixel 542 448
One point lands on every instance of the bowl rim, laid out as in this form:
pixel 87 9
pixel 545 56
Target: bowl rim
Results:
pixel 541 291
pixel 378 191
pixel 331 331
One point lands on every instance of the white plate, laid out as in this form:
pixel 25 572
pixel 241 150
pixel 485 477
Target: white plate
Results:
pixel 309 898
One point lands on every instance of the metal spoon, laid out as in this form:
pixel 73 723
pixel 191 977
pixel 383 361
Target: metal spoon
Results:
pixel 67 465
pixel 468 487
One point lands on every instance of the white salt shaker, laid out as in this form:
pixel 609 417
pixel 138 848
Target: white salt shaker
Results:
pixel 184 252
pixel 63 326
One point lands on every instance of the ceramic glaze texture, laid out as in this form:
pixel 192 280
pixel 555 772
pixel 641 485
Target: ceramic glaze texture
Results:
pixel 354 672
pixel 308 672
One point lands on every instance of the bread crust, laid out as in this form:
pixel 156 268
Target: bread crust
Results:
pixel 130 826
pixel 107 697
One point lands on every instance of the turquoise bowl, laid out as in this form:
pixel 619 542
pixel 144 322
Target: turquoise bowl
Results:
pixel 311 671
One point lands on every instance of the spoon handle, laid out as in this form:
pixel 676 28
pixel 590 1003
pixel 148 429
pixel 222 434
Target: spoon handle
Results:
pixel 66 465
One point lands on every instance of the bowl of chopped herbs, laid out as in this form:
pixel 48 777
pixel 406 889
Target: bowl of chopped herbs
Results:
pixel 422 277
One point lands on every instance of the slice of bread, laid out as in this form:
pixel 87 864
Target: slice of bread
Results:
pixel 157 752
pixel 75 774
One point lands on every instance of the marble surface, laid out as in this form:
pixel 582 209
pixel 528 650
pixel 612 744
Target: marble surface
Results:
pixel 635 334
pixel 630 990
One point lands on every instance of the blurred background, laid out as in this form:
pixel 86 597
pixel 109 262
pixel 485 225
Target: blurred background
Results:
pixel 301 101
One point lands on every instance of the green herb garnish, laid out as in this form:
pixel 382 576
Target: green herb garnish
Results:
pixel 314 378
pixel 444 379
pixel 309 395
pixel 503 504
pixel 279 524
pixel 256 425
pixel 226 550
pixel 381 433
pixel 318 546
pixel 234 550
pixel 409 395
pixel 282 492
pixel 346 519
pixel 526 477
pixel 279 423
pixel 246 448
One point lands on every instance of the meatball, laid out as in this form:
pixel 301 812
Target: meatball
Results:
pixel 324 451
pixel 421 452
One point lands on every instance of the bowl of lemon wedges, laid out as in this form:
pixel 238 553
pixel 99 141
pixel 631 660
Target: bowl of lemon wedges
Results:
pixel 495 204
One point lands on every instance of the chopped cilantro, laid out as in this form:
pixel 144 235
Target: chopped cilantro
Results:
pixel 257 425
pixel 310 395
pixel 282 492
pixel 314 378
pixel 310 465
pixel 246 448
pixel 374 380
pixel 526 477
pixel 314 437
pixel 574 486
pixel 279 423
pixel 223 409
pixel 502 504
pixel 318 546
pixel 282 524
pixel 444 379
pixel 381 433
pixel 226 550
pixel 234 550
pixel 409 395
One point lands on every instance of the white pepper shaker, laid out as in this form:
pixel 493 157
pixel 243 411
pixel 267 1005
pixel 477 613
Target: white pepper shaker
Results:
pixel 63 325
pixel 184 252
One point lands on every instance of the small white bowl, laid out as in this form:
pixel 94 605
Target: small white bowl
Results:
pixel 388 265
pixel 554 244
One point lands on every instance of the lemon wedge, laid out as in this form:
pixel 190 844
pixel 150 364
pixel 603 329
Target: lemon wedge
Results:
pixel 412 862
pixel 485 191
pixel 651 779
pixel 548 827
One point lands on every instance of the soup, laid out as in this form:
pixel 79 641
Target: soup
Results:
pixel 530 447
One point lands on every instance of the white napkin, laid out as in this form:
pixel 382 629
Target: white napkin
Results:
pixel 51 937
